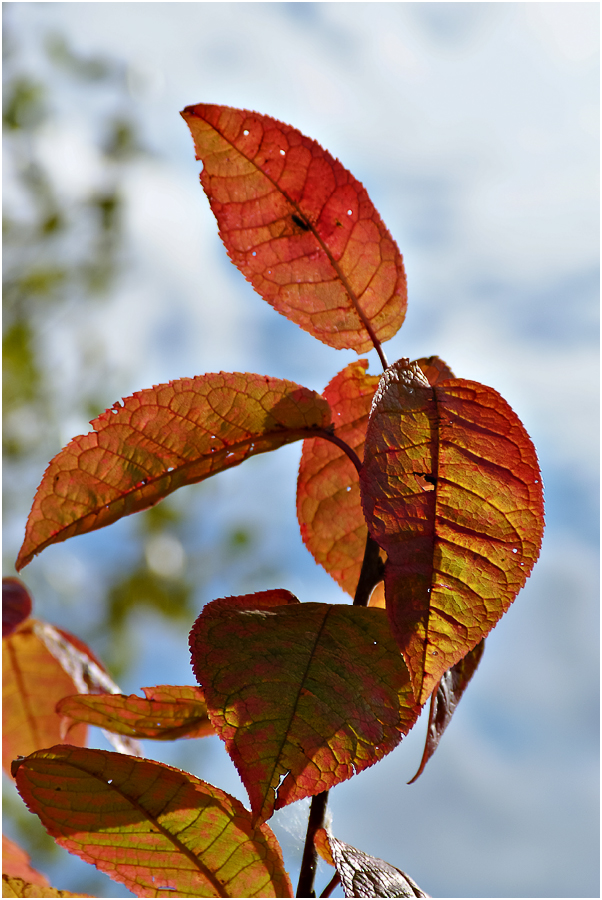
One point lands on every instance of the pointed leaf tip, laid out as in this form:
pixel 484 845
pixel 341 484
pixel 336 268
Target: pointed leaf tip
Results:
pixel 304 695
pixel 299 227
pixel 161 439
pixel 451 490
pixel 160 831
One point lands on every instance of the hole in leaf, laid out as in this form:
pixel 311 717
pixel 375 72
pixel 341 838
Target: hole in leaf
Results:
pixel 246 131
pixel 282 153
pixel 254 253
pixel 349 212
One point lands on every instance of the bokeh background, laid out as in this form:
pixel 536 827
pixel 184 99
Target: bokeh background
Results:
pixel 474 127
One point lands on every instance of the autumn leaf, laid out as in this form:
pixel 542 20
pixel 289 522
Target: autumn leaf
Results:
pixel 16 605
pixel 329 506
pixel 33 681
pixel 304 695
pixel 451 490
pixel 159 831
pixel 17 864
pixel 367 876
pixel 444 700
pixel 17 887
pixel 159 440
pixel 299 227
pixel 159 720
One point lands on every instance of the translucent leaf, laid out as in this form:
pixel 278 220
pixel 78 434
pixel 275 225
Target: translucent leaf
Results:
pixel 329 506
pixel 304 695
pixel 159 831
pixel 451 490
pixel 33 681
pixel 160 720
pixel 299 227
pixel 159 440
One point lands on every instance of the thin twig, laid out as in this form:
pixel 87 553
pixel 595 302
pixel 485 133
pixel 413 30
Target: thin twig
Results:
pixel 330 436
pixel 317 812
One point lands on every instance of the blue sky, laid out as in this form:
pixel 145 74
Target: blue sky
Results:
pixel 474 128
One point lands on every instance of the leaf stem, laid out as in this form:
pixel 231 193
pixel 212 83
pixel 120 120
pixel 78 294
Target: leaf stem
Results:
pixel 330 436
pixel 371 573
pixel 317 812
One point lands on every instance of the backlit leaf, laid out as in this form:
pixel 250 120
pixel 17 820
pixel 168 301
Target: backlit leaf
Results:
pixel 444 700
pixel 33 681
pixel 16 604
pixel 159 831
pixel 329 506
pixel 16 887
pixel 161 439
pixel 367 876
pixel 16 863
pixel 451 489
pixel 299 227
pixel 304 695
pixel 160 720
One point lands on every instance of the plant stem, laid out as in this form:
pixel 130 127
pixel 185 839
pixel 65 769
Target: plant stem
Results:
pixel 330 436
pixel 371 573
pixel 317 811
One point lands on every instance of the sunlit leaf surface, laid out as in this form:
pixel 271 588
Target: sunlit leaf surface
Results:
pixel 299 227
pixel 451 489
pixel 160 720
pixel 159 831
pixel 33 681
pixel 161 439
pixel 304 695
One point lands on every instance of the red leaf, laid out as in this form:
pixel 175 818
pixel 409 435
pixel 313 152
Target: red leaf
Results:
pixel 367 876
pixel 33 681
pixel 299 227
pixel 16 605
pixel 329 506
pixel 16 863
pixel 303 695
pixel 160 720
pixel 159 831
pixel 159 440
pixel 451 489
pixel 444 700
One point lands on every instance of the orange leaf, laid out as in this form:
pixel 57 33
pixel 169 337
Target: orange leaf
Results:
pixel 17 887
pixel 445 699
pixel 451 489
pixel 299 227
pixel 159 440
pixel 160 720
pixel 16 863
pixel 329 506
pixel 322 846
pixel 16 605
pixel 33 681
pixel 304 695
pixel 159 831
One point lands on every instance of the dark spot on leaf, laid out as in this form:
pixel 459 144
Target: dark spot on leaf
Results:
pixel 300 222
